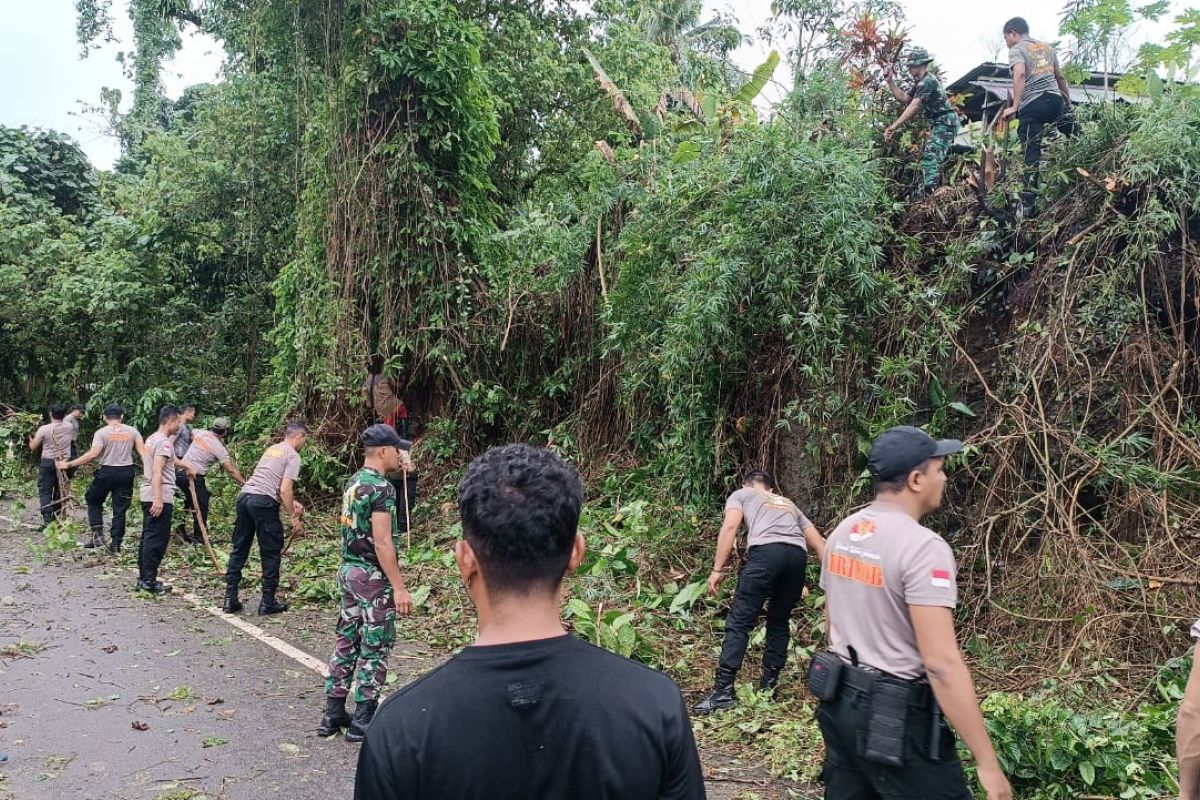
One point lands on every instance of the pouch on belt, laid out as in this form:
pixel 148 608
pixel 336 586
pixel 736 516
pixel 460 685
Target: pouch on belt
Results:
pixel 885 730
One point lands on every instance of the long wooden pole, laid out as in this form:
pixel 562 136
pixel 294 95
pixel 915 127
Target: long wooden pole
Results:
pixel 203 526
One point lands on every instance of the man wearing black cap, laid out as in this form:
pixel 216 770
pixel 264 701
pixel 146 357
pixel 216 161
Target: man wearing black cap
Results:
pixel 372 590
pixel 114 445
pixel 895 666
pixel 776 535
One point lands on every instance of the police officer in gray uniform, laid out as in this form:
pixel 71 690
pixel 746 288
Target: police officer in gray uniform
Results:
pixel 114 445
pixel 894 667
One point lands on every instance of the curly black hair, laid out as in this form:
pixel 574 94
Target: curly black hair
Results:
pixel 520 513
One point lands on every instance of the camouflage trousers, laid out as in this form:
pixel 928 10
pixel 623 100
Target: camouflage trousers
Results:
pixel 942 132
pixel 366 631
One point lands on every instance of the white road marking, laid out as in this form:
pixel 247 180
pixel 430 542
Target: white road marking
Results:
pixel 274 642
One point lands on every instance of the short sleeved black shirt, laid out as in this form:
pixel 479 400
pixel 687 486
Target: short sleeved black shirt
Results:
pixel 549 719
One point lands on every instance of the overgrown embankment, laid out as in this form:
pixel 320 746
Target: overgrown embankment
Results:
pixel 573 228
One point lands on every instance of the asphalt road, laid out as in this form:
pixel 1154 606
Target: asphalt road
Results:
pixel 85 665
pixel 105 694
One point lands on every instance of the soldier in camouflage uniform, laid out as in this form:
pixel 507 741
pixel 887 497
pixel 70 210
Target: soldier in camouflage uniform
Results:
pixel 372 590
pixel 927 95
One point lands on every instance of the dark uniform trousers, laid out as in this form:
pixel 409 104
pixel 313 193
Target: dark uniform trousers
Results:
pixel 156 532
pixel 848 776
pixel 1045 112
pixel 203 497
pixel 117 482
pixel 773 577
pixel 405 485
pixel 49 491
pixel 256 513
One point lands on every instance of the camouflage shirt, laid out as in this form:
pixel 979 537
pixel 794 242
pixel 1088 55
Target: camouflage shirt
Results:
pixel 367 492
pixel 932 96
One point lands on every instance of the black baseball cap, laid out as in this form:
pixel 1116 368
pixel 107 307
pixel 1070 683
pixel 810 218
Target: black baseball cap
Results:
pixel 902 449
pixel 113 411
pixel 382 436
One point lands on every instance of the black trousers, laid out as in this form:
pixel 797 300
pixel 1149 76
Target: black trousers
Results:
pixel 848 776
pixel 203 497
pixel 773 577
pixel 156 532
pixel 49 491
pixel 1048 112
pixel 117 482
pixel 406 490
pixel 256 513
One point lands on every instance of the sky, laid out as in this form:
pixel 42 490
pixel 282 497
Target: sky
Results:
pixel 48 83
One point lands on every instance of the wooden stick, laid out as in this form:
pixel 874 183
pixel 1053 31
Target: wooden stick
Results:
pixel 203 526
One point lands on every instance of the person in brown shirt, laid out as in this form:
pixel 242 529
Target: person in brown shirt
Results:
pixel 381 399
pixel 54 441
pixel 777 537
pixel 114 445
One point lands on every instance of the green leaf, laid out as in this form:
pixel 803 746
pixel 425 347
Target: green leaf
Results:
pixel 962 408
pixel 579 609
pixel 937 395
pixel 688 595
pixel 420 596
pixel 685 152
pixel 1087 771
pixel 758 80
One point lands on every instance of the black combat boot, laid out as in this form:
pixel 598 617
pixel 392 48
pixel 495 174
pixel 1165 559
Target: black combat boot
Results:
pixel 769 680
pixel 96 541
pixel 155 588
pixel 269 605
pixel 114 546
pixel 722 694
pixel 363 714
pixel 232 604
pixel 335 717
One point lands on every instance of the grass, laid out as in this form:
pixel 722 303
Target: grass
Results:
pixel 22 649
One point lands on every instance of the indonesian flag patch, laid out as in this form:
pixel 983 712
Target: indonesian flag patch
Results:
pixel 940 579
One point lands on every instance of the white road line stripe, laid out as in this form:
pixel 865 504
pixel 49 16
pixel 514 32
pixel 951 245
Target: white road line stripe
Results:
pixel 274 642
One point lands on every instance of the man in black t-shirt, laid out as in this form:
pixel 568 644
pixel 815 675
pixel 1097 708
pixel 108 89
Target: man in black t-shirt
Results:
pixel 528 711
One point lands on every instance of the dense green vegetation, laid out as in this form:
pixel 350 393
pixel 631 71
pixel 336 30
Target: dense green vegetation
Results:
pixel 575 226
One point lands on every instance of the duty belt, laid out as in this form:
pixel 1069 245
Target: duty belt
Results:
pixel 864 679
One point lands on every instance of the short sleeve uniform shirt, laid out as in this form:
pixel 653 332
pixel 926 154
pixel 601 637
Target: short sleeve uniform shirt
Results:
pixel 278 461
pixel 878 562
